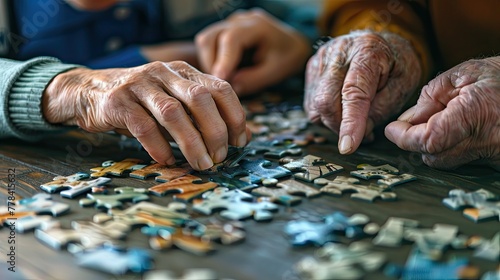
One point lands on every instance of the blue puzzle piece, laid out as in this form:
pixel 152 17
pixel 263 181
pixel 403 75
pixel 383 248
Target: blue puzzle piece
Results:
pixel 418 266
pixel 233 183
pixel 303 233
pixel 256 170
pixel 115 261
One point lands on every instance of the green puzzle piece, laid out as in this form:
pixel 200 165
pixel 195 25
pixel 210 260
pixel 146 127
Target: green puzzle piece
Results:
pixel 115 200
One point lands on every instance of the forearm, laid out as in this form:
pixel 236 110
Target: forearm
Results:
pixel 21 91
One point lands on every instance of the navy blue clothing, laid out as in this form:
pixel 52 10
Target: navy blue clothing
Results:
pixel 103 39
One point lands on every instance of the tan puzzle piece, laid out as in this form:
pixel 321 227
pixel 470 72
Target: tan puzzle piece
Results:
pixel 186 242
pixel 186 187
pixel 343 184
pixel 116 168
pixel 163 173
pixel 285 191
pixel 310 167
pixel 387 174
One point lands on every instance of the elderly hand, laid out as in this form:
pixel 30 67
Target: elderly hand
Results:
pixel 358 81
pixel 280 50
pixel 153 102
pixel 456 119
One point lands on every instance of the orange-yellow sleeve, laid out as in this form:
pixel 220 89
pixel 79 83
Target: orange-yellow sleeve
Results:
pixel 398 16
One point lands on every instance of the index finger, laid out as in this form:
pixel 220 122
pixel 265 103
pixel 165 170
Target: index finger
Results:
pixel 360 86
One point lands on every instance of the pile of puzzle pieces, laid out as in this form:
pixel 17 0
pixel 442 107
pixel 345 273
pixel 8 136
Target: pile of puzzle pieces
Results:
pixel 251 183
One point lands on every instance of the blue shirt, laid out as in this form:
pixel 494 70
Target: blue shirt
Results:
pixel 103 39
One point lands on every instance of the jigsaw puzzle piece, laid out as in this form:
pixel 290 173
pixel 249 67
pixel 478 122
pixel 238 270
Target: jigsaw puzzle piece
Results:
pixel 109 201
pixel 273 148
pixel 145 214
pixel 299 139
pixel 418 266
pixel 63 182
pixel 386 174
pixel 22 221
pixel 310 167
pixel 285 192
pixel 235 205
pixel 391 234
pixel 223 232
pixel 343 184
pixel 116 261
pixel 42 204
pixel 163 173
pixel 233 183
pixel 432 242
pixel 337 261
pixel 190 274
pixel 167 237
pixel 116 168
pixel 82 236
pixel 302 232
pixel 71 186
pixel 489 249
pixel 482 202
pixel 257 170
pixel 186 187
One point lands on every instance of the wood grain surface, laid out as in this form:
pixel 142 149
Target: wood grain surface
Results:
pixel 265 254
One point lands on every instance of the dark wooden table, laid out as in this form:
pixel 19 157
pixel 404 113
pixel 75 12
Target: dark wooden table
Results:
pixel 265 254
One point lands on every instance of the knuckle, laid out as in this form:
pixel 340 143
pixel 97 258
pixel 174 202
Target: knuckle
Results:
pixel 223 87
pixel 142 128
pixel 202 38
pixel 170 108
pixel 197 91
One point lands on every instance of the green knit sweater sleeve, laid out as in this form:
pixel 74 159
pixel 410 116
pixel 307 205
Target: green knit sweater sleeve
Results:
pixel 21 87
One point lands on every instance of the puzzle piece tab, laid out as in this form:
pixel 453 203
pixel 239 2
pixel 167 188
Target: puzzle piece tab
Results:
pixel 235 205
pixel 482 202
pixel 116 168
pixel 285 192
pixel 310 167
pixel 71 186
pixel 185 188
pixel 163 173
pixel 343 184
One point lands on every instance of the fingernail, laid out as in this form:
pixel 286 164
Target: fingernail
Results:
pixel 408 115
pixel 220 155
pixel 205 162
pixel 242 140
pixel 345 144
pixel 170 161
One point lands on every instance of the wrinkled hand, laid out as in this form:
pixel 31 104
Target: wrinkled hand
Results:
pixel 280 50
pixel 456 119
pixel 358 81
pixel 152 102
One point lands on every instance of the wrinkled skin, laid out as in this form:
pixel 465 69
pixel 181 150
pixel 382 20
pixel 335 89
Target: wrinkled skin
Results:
pixel 155 102
pixel 456 119
pixel 280 50
pixel 358 81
